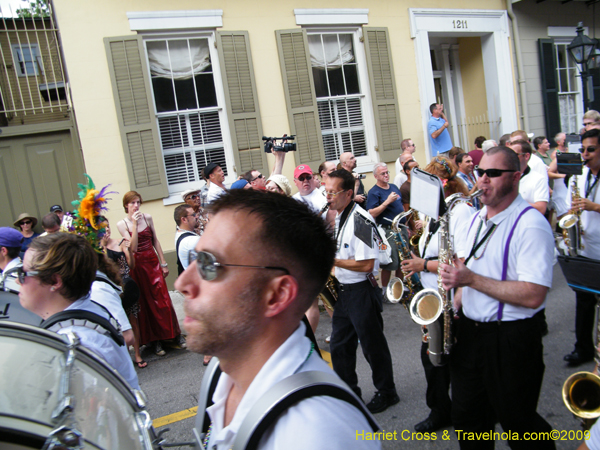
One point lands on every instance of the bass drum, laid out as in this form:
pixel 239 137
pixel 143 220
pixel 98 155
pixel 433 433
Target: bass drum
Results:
pixel 107 413
pixel 11 309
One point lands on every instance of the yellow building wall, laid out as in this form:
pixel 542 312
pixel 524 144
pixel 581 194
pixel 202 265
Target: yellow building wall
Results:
pixel 473 83
pixel 84 24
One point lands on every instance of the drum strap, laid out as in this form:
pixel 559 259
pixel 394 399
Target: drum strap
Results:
pixel 81 318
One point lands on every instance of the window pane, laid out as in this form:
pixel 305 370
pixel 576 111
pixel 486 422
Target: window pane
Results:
pixel 186 94
pixel 351 75
pixel 564 84
pixel 561 56
pixel 320 79
pixel 336 82
pixel 164 97
pixel 205 89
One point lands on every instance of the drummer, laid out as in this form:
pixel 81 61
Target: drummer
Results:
pixel 57 275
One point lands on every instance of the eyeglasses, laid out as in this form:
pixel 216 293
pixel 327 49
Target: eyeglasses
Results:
pixel 260 176
pixel 384 173
pixel 306 178
pixel 27 222
pixel 333 194
pixel 207 265
pixel 194 196
pixel 588 149
pixel 491 173
pixel 21 274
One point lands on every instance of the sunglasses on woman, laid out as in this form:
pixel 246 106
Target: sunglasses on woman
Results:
pixel 207 265
pixel 27 222
pixel 21 274
pixel 491 173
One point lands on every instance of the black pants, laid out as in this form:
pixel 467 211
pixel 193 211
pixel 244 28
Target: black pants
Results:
pixel 585 313
pixel 496 372
pixel 357 316
pixel 438 383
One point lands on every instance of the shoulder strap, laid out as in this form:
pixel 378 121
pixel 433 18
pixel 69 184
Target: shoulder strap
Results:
pixel 288 392
pixel 103 278
pixel 505 260
pixel 179 239
pixel 78 317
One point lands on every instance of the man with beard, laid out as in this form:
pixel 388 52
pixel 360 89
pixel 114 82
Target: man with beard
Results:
pixel 252 278
pixel 357 314
pixel 496 364
pixel 193 198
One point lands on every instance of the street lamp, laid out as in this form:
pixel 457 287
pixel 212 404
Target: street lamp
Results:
pixel 580 49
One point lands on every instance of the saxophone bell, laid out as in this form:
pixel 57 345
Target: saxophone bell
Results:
pixel 581 395
pixel 395 290
pixel 426 307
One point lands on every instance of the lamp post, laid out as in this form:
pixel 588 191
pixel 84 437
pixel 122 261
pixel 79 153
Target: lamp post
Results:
pixel 581 48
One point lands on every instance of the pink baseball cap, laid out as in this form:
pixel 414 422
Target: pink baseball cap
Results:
pixel 302 168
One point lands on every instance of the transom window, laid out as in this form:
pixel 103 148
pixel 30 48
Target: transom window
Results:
pixel 28 61
pixel 569 89
pixel 187 109
pixel 339 97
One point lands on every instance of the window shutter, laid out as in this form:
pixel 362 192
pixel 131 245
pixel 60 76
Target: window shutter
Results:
pixel 241 99
pixel 549 87
pixel 133 101
pixel 300 96
pixel 383 91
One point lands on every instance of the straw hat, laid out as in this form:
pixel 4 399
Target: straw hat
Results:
pixel 282 182
pixel 25 216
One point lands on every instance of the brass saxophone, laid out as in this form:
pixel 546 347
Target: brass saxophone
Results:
pixel 329 293
pixel 571 224
pixel 414 240
pixel 402 289
pixel 581 391
pixel 428 305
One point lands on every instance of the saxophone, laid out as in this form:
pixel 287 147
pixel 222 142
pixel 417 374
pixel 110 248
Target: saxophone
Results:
pixel 571 224
pixel 429 304
pixel 402 289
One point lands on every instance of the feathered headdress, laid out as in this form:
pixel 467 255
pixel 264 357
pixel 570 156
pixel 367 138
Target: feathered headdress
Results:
pixel 91 204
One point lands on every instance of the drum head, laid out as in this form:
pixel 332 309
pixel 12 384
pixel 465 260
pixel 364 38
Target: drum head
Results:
pixel 11 309
pixel 32 364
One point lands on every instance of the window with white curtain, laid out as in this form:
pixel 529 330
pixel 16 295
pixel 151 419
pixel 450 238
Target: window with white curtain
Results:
pixel 187 109
pixel 569 89
pixel 338 92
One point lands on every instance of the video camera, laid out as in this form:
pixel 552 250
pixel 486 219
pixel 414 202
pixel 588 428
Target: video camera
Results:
pixel 284 146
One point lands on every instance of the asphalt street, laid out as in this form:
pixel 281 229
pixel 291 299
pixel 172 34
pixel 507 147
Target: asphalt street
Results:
pixel 172 382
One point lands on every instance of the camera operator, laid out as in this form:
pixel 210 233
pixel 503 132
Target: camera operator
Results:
pixel 348 162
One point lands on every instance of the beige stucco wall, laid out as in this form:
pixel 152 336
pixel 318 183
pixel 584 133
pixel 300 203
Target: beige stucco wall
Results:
pixel 473 84
pixel 84 24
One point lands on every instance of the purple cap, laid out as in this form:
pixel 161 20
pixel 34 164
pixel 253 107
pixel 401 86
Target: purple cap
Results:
pixel 9 237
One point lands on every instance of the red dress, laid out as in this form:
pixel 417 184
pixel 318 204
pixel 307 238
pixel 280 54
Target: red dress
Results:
pixel 157 317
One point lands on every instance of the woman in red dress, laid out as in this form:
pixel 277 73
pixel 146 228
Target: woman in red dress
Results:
pixel 157 318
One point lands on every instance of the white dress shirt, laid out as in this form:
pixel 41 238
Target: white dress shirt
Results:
pixel 214 192
pixel 107 296
pixel 315 422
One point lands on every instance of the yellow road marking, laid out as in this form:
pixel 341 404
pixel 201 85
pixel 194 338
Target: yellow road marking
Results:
pixel 175 417
pixel 191 412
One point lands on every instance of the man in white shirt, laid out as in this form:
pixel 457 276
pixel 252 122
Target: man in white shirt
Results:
pixel 533 187
pixel 536 164
pixel 401 177
pixel 497 362
pixel 185 237
pixel 307 192
pixel 216 176
pixel 245 294
pixel 589 205
pixel 357 314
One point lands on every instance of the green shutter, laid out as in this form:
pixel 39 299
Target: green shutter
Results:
pixel 241 99
pixel 301 101
pixel 549 87
pixel 383 92
pixel 139 132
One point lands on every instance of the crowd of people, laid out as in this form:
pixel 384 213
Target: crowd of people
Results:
pixel 252 260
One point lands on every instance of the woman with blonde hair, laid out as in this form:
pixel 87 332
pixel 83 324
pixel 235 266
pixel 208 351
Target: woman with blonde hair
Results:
pixel 157 319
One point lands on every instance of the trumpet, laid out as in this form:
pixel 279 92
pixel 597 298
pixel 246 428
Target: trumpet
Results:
pixel 581 391
pixel 428 305
pixel 402 289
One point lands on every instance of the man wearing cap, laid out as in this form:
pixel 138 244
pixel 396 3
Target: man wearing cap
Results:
pixel 314 198
pixel 58 210
pixel 279 183
pixel 216 176
pixel 242 184
pixel 10 246
pixel 193 198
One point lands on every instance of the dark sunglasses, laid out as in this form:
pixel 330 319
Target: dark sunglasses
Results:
pixel 194 196
pixel 491 173
pixel 306 178
pixel 21 274
pixel 207 265
pixel 27 222
pixel 589 149
pixel 260 176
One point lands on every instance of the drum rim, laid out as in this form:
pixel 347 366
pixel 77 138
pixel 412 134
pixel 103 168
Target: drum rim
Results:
pixel 59 342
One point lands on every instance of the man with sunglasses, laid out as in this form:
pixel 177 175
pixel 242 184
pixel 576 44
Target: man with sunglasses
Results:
pixel 533 187
pixel 254 273
pixel 589 205
pixel 256 180
pixel 185 237
pixel 496 363
pixel 357 314
pixel 307 191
